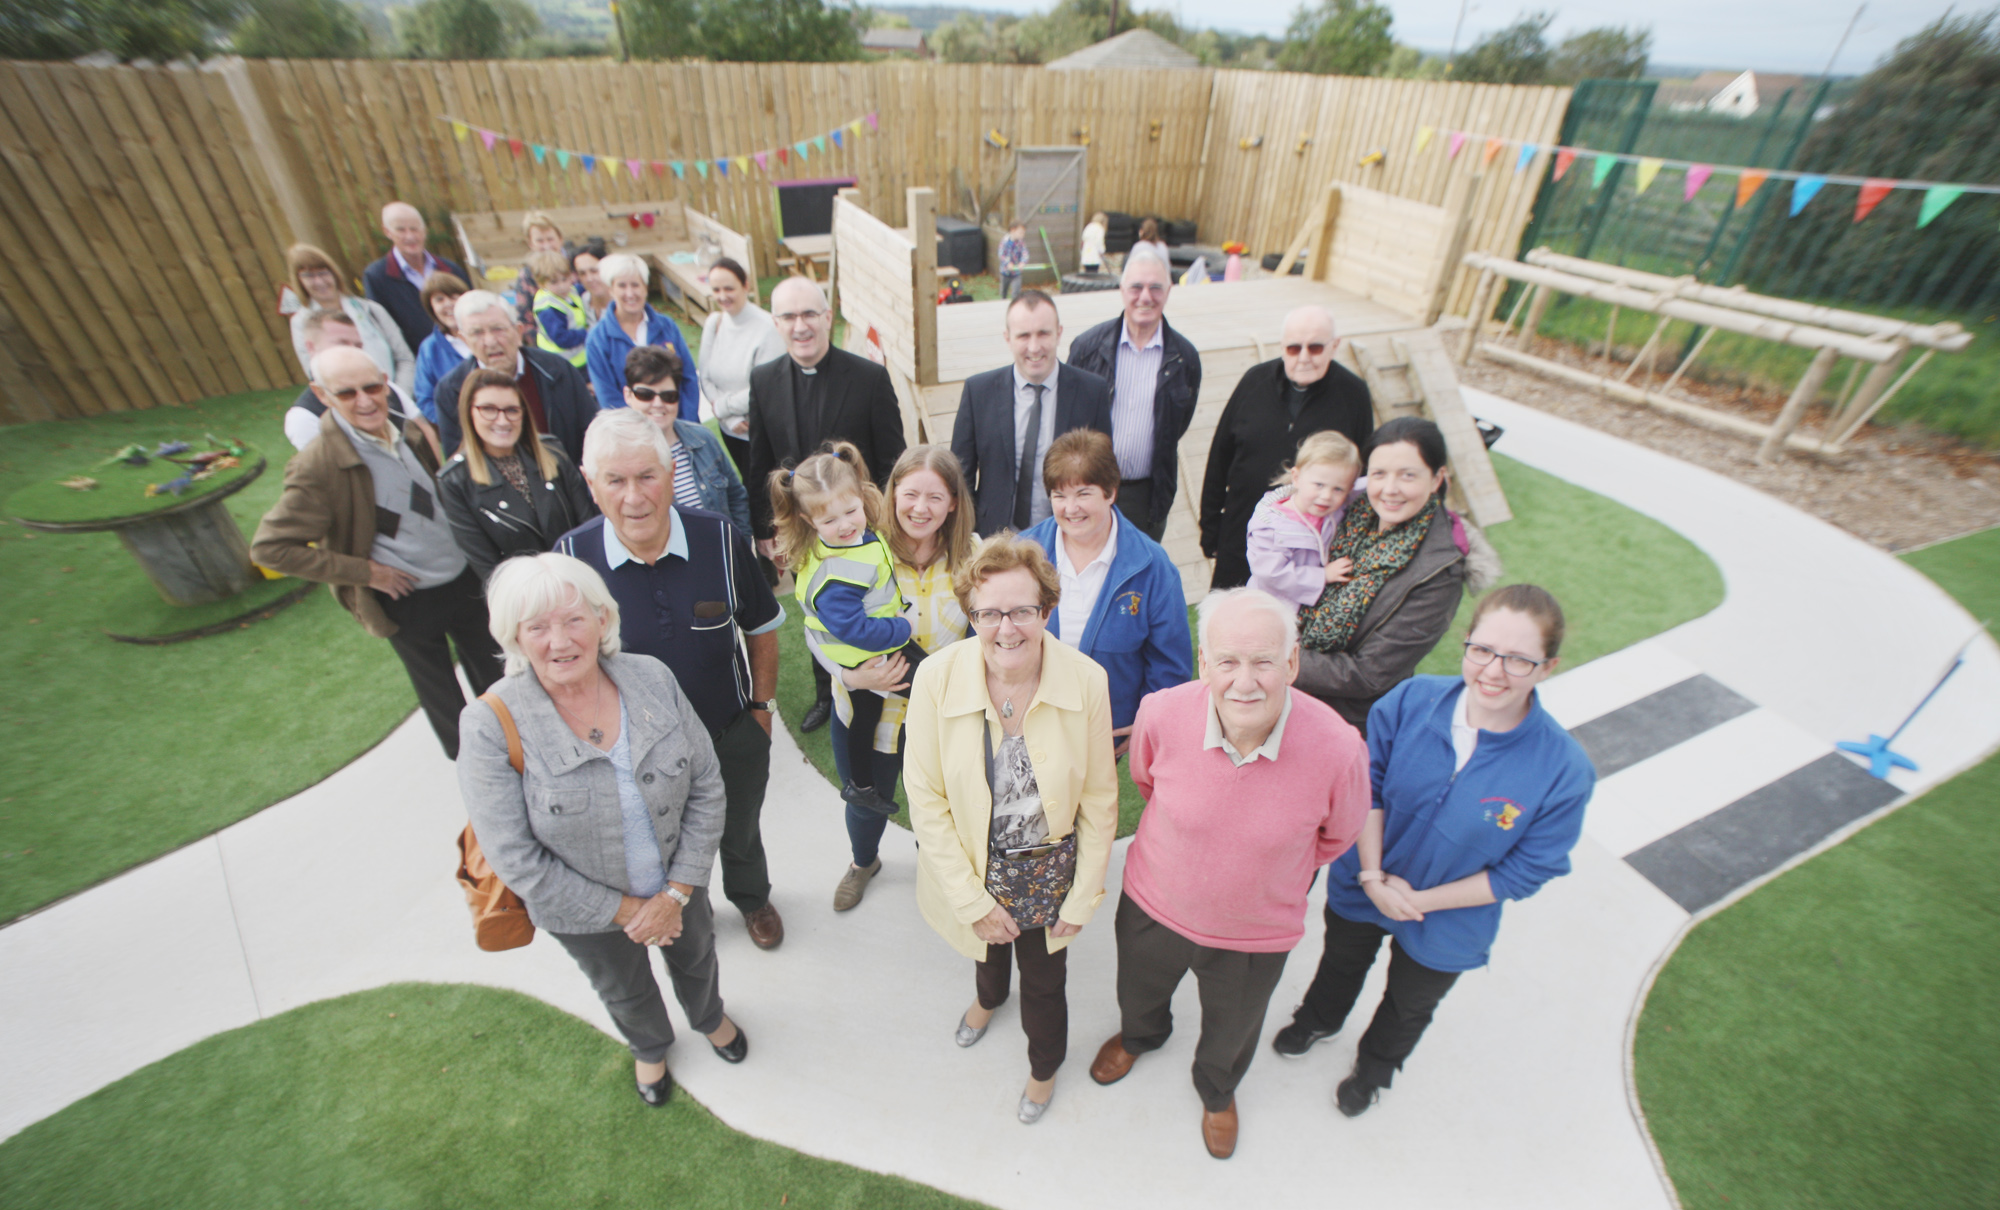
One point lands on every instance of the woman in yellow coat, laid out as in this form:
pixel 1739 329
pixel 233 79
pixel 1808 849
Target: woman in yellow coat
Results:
pixel 1013 796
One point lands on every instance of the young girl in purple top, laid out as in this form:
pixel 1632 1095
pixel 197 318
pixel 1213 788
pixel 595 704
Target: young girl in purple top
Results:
pixel 1295 522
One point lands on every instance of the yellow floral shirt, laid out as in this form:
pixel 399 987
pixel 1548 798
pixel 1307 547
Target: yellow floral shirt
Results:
pixel 939 623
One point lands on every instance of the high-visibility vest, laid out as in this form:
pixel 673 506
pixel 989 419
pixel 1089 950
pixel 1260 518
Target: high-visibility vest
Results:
pixel 869 567
pixel 579 318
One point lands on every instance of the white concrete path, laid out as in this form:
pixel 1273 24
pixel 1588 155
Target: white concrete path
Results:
pixel 1516 1098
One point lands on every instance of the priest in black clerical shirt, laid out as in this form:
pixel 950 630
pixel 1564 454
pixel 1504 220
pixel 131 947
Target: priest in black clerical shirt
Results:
pixel 1276 405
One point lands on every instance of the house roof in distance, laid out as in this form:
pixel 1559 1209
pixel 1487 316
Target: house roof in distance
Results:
pixel 1133 48
pixel 882 38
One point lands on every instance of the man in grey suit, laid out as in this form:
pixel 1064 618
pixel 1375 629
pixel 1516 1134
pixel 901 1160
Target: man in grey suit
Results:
pixel 1007 417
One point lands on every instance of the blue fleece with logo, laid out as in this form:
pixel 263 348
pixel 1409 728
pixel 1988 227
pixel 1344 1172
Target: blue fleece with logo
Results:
pixel 1515 811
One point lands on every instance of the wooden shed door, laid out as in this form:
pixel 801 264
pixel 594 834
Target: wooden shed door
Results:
pixel 1048 196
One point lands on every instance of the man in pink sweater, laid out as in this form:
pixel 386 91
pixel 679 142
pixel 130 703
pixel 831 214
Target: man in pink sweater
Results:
pixel 1250 787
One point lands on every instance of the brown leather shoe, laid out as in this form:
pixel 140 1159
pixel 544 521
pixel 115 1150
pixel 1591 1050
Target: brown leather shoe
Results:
pixel 766 929
pixel 1113 1061
pixel 1218 1130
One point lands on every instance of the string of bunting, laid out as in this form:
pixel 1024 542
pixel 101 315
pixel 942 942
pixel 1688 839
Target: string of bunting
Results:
pixel 839 136
pixel 1805 185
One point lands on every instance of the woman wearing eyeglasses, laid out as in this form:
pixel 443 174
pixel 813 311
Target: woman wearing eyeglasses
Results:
pixel 1478 798
pixel 1276 405
pixel 509 490
pixel 703 476
pixel 1014 798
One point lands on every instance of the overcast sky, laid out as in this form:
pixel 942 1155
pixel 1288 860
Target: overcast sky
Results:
pixel 1774 35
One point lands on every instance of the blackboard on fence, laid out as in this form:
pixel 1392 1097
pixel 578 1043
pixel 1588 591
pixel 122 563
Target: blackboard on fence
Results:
pixel 806 207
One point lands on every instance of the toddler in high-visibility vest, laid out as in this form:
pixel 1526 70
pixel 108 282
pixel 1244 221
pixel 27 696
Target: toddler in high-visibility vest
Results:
pixel 828 515
pixel 562 323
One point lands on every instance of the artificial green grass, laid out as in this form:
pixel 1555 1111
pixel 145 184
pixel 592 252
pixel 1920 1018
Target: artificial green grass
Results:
pixel 1621 577
pixel 1830 1039
pixel 115 753
pixel 121 488
pixel 413 1095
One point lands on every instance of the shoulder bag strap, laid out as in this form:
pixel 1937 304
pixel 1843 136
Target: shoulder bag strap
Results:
pixel 506 717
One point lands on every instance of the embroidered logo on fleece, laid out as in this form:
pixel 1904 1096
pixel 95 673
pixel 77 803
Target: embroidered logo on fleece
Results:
pixel 1502 812
pixel 1129 604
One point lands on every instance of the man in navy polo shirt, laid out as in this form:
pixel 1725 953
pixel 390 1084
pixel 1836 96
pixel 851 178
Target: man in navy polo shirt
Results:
pixel 686 581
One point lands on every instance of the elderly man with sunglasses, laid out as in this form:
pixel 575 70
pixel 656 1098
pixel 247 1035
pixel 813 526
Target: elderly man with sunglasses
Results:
pixel 360 513
pixel 1276 405
pixel 1155 377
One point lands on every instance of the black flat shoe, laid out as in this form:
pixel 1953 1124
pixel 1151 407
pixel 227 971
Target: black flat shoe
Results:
pixel 1295 1039
pixel 659 1092
pixel 737 1048
pixel 868 798
pixel 815 718
pixel 1355 1095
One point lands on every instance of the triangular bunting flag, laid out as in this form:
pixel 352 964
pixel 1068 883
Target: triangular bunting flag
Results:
pixel 1424 135
pixel 801 149
pixel 784 156
pixel 1698 175
pixel 1649 167
pixel 541 153
pixel 1527 153
pixel 562 158
pixel 1492 149
pixel 1601 169
pixel 1747 185
pixel 459 130
pixel 836 139
pixel 819 142
pixel 635 167
pixel 1564 158
pixel 722 166
pixel 1457 141
pixel 659 169
pixel 1936 198
pixel 763 160
pixel 680 170
pixel 742 163
pixel 854 127
pixel 516 146
pixel 701 166
pixel 487 137
pixel 1873 190
pixel 589 163
pixel 1803 190
pixel 872 125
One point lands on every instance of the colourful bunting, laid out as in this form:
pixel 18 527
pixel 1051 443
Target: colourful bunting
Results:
pixel 1527 154
pixel 562 158
pixel 1457 141
pixel 541 153
pixel 722 166
pixel 800 147
pixel 1746 185
pixel 635 167
pixel 487 137
pixel 517 147
pixel 1697 176
pixel 701 166
pixel 1936 198
pixel 871 122
pixel 1649 167
pixel 1873 190
pixel 784 156
pixel 854 127
pixel 1424 134
pixel 1803 190
pixel 819 143
pixel 1564 158
pixel 836 139
pixel 1493 147
pixel 589 162
pixel 680 170
pixel 659 169
pixel 459 130
pixel 1601 169
pixel 743 163
pixel 763 160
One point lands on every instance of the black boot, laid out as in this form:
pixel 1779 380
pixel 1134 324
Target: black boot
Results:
pixel 822 707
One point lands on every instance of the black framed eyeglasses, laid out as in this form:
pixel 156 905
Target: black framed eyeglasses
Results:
pixel 1513 665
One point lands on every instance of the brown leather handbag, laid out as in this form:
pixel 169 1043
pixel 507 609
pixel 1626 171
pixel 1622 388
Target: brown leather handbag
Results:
pixel 499 918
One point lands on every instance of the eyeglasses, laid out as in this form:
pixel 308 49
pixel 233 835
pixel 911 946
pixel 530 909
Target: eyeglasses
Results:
pixel 316 274
pixel 791 317
pixel 1154 288
pixel 493 411
pixel 374 389
pixel 1514 665
pixel 1020 616
pixel 1313 350
pixel 649 394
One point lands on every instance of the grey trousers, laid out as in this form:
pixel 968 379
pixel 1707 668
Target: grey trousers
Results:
pixel 621 972
pixel 1235 990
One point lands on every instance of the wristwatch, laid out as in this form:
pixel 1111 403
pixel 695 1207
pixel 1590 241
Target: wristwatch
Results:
pixel 769 705
pixel 677 896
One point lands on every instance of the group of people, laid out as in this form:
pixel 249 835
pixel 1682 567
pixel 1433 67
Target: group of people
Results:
pixel 597 566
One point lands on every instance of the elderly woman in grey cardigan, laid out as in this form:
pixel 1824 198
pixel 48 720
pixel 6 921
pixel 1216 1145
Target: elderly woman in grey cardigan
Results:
pixel 610 831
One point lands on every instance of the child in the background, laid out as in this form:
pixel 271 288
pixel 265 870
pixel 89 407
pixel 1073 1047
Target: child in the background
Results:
pixel 1090 256
pixel 1295 523
pixel 1013 255
pixel 828 517
pixel 542 235
pixel 561 322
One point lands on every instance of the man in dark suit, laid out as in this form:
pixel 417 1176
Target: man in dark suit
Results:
pixel 1037 399
pixel 397 280
pixel 553 389
pixel 814 394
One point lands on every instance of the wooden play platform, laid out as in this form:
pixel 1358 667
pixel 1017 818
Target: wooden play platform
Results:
pixel 1378 264
pixel 666 234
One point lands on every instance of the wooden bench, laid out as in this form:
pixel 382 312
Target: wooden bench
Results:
pixel 492 239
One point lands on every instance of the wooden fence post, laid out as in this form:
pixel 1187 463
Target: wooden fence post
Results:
pixel 921 206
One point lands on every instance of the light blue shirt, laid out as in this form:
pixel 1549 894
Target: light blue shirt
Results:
pixel 1132 402
pixel 615 555
pixel 645 875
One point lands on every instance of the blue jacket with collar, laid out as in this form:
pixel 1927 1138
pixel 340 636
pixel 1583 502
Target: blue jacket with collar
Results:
pixel 605 350
pixel 435 359
pixel 1138 630
pixel 1515 811
pixel 715 475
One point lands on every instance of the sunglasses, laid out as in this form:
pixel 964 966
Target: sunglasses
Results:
pixel 1313 350
pixel 648 395
pixel 374 389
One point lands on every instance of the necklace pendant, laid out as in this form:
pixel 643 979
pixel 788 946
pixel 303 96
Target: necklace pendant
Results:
pixel 1007 708
pixel 597 735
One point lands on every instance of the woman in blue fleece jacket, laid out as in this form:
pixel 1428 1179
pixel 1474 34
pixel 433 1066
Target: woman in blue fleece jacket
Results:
pixel 1479 798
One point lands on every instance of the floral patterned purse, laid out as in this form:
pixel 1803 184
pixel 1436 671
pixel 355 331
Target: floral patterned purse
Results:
pixel 1030 883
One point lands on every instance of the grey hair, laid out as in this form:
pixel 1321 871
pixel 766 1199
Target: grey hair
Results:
pixel 1255 598
pixel 618 429
pixel 475 302
pixel 1317 314
pixel 1145 256
pixel 528 586
pixel 624 264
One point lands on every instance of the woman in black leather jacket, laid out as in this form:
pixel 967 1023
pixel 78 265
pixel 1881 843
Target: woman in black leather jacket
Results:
pixel 508 491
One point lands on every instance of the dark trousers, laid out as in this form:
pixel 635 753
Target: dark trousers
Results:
pixel 739 453
pixel 866 707
pixel 744 752
pixel 1405 1012
pixel 1044 995
pixel 865 827
pixel 1235 990
pixel 429 623
pixel 1135 500
pixel 621 972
